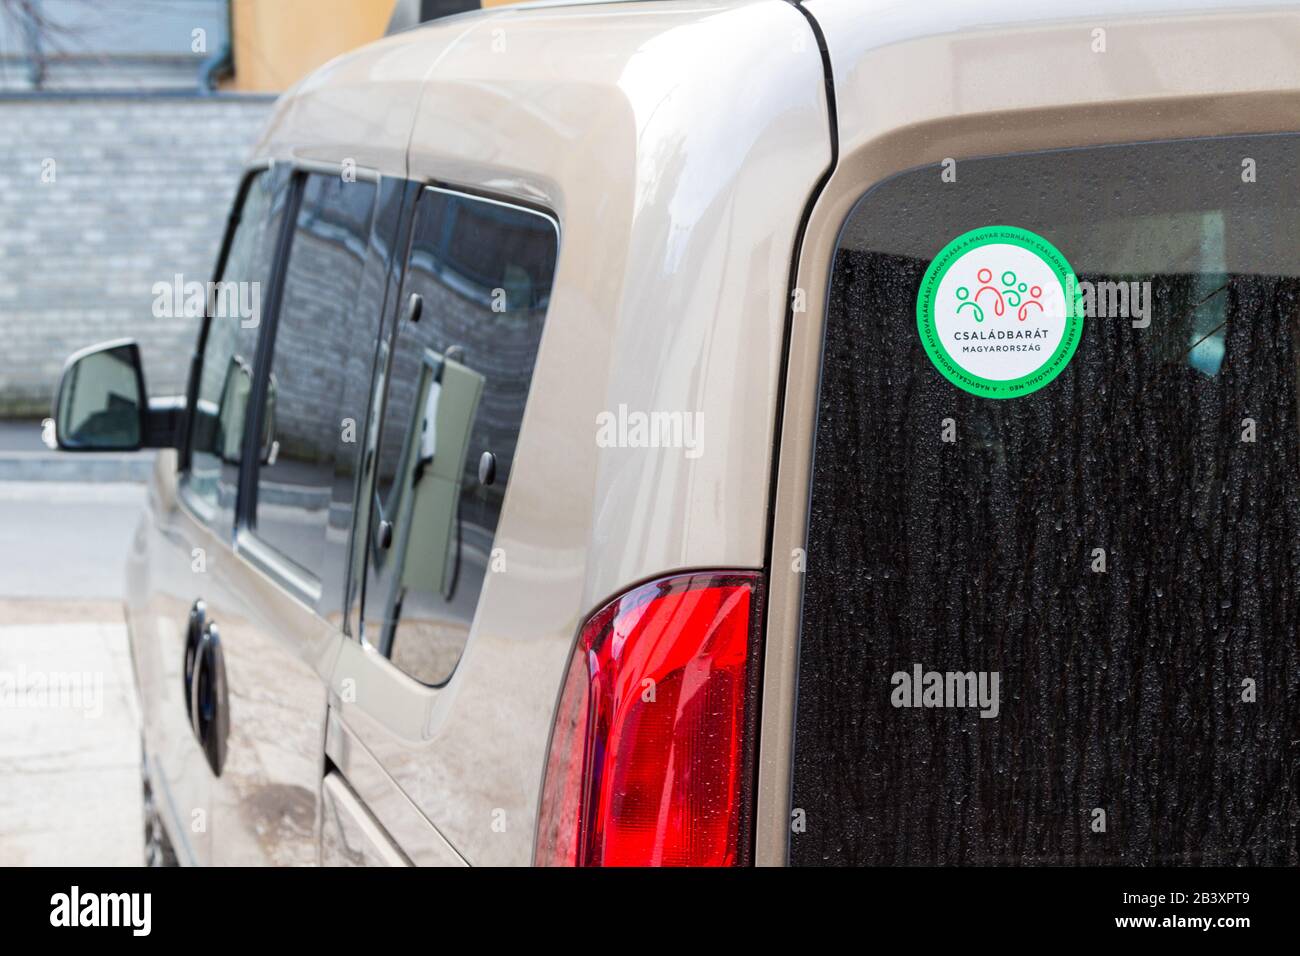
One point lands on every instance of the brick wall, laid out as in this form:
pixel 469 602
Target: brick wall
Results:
pixel 141 187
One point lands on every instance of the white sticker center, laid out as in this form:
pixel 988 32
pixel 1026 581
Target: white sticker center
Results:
pixel 999 311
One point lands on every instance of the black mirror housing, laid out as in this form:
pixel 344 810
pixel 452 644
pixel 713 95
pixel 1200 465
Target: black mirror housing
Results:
pixel 102 405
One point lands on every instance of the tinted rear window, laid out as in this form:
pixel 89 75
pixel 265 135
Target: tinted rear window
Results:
pixel 1121 547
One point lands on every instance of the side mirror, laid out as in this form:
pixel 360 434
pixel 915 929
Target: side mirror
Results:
pixel 101 403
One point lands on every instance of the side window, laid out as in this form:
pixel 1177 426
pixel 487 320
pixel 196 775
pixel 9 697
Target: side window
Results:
pixel 458 377
pixel 226 374
pixel 326 329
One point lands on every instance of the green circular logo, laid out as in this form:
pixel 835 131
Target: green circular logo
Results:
pixel 999 312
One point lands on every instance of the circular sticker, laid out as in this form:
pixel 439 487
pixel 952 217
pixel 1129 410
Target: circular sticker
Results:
pixel 999 312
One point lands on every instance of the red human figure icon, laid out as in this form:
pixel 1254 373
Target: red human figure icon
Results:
pixel 1034 293
pixel 985 276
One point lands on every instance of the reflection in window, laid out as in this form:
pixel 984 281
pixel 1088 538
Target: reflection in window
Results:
pixel 225 379
pixel 315 334
pixel 457 384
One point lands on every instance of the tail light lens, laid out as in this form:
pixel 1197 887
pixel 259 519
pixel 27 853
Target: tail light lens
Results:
pixel 652 752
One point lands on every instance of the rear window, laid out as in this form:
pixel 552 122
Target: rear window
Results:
pixel 1062 627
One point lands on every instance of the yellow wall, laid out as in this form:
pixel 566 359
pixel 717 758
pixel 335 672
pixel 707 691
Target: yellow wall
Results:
pixel 277 42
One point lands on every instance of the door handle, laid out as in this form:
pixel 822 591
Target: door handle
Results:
pixel 210 699
pixel 196 684
pixel 198 623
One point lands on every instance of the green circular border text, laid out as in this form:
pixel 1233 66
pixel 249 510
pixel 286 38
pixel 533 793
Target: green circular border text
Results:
pixel 944 362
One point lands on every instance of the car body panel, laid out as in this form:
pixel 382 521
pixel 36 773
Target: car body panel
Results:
pixel 358 106
pixel 400 819
pixel 278 653
pixel 159 595
pixel 675 266
pixel 350 836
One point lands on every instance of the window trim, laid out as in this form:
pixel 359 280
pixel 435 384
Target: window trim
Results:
pixel 283 570
pixel 233 219
pixel 245 501
pixel 483 195
pixel 201 510
pixel 305 585
pixel 388 341
pixel 242 534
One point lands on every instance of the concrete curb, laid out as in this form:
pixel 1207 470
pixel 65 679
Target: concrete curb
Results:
pixel 64 466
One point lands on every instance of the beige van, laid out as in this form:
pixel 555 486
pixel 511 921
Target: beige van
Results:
pixel 712 432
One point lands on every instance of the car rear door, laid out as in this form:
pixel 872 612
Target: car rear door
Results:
pixel 1034 576
pixel 454 378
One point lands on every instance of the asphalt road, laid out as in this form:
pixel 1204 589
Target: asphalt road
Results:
pixel 69 721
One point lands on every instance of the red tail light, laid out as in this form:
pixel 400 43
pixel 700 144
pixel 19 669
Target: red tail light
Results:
pixel 651 755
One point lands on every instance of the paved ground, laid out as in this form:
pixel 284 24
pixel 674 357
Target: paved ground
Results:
pixel 24 457
pixel 20 435
pixel 65 540
pixel 69 738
